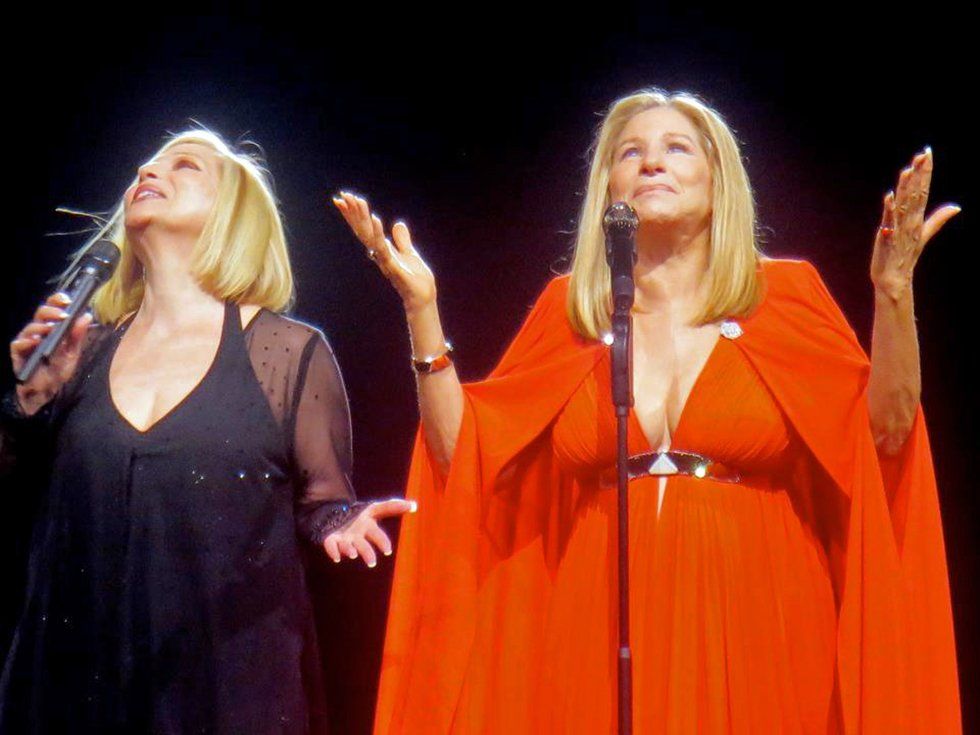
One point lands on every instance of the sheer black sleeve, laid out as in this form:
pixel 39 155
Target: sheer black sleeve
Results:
pixel 303 384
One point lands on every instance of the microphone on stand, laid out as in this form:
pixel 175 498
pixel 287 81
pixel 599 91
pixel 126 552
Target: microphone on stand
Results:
pixel 94 269
pixel 619 224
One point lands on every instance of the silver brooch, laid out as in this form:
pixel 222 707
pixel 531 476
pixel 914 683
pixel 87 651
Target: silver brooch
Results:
pixel 730 329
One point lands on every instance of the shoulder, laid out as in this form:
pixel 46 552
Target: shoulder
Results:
pixel 285 332
pixel 554 294
pixel 549 307
pixel 787 270
pixel 786 277
pixel 795 297
pixel 557 287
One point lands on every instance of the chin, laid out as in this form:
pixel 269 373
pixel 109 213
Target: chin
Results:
pixel 657 216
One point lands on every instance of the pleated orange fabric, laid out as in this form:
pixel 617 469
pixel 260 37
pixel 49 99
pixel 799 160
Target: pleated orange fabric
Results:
pixel 810 597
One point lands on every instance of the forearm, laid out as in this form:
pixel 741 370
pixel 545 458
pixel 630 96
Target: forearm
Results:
pixel 440 393
pixel 895 383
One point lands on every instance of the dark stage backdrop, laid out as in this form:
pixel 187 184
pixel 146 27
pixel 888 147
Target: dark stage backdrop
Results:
pixel 473 125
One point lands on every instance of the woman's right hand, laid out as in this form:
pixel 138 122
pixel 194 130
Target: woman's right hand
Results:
pixel 399 262
pixel 440 394
pixel 53 373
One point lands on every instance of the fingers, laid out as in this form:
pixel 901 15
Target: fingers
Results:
pixel 376 535
pixel 345 542
pixel 46 316
pixel 937 219
pixel 912 195
pixel 367 226
pixel 357 214
pixel 912 191
pixel 76 336
pixel 364 535
pixel 331 546
pixel 402 238
pixel 393 507
pixel 365 551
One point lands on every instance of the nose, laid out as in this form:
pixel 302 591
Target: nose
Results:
pixel 653 161
pixel 147 171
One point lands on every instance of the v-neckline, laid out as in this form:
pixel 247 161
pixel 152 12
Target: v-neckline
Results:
pixel 635 420
pixel 187 396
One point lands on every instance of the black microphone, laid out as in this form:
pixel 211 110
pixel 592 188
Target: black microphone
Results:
pixel 619 224
pixel 94 269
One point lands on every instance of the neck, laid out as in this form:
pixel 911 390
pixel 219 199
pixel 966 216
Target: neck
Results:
pixel 172 296
pixel 670 267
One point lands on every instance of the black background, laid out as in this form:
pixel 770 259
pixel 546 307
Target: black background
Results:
pixel 473 123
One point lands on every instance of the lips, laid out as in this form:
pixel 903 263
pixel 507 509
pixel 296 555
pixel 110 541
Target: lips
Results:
pixel 650 188
pixel 147 191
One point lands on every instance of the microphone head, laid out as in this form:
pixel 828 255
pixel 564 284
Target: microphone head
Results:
pixel 620 220
pixel 100 259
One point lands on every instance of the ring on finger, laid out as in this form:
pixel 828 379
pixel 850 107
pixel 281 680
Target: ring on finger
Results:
pixel 886 231
pixel 372 254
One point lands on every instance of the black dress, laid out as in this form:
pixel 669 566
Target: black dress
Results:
pixel 166 588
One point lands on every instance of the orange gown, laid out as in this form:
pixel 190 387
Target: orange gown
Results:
pixel 810 597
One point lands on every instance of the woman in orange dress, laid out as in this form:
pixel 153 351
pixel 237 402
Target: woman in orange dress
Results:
pixel 789 578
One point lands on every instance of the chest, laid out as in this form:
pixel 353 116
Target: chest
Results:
pixel 667 359
pixel 149 376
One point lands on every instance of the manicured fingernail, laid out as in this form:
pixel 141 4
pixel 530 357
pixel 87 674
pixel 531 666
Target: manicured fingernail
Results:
pixel 372 565
pixel 336 561
pixel 413 506
pixel 353 554
pixel 388 552
pixel 63 298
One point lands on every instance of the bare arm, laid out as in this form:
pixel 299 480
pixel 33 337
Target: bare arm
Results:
pixel 440 394
pixel 895 384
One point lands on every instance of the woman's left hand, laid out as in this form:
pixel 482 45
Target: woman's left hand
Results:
pixel 904 229
pixel 363 535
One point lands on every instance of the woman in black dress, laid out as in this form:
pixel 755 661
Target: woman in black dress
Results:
pixel 195 435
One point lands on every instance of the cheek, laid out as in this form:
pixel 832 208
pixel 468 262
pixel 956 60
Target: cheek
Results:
pixel 202 198
pixel 618 182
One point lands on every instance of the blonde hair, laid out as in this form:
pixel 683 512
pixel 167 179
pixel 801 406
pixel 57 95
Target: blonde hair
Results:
pixel 732 287
pixel 241 255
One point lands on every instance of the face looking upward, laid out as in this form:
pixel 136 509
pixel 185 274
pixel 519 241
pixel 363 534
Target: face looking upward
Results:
pixel 661 169
pixel 175 191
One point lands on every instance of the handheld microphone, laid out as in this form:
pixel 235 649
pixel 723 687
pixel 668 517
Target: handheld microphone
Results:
pixel 94 269
pixel 619 224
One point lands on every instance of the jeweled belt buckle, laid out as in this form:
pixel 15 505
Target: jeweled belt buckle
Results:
pixel 665 464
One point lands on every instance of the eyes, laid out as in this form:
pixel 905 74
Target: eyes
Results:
pixel 634 150
pixel 188 163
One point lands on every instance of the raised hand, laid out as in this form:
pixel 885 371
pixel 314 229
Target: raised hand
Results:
pixel 396 258
pixel 60 366
pixel 904 229
pixel 363 535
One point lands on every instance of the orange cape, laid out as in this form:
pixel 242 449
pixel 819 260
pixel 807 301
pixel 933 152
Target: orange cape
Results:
pixel 475 565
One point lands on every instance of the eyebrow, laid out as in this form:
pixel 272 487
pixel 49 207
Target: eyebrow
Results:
pixel 670 134
pixel 171 153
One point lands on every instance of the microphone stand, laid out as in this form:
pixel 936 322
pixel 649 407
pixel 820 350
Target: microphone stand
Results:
pixel 622 352
pixel 620 225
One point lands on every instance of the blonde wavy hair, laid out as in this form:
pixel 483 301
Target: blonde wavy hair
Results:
pixel 241 255
pixel 733 287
